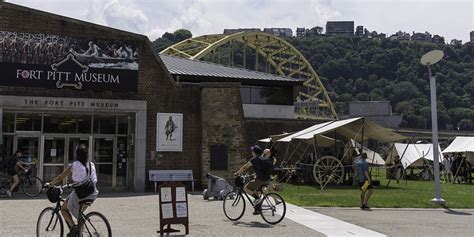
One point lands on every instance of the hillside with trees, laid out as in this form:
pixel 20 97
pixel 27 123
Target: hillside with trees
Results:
pixel 360 69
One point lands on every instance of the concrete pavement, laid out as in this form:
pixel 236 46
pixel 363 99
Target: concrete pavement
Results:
pixel 408 221
pixel 133 214
pixel 138 215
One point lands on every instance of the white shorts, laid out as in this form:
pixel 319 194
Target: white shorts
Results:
pixel 73 202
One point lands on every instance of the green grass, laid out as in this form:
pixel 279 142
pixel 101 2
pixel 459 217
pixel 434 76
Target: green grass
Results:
pixel 414 194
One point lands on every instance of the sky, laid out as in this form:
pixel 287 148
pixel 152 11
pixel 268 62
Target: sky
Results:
pixel 453 19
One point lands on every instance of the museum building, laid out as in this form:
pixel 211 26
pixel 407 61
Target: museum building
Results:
pixel 66 82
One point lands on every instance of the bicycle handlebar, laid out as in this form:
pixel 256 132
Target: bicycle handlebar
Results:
pixel 69 185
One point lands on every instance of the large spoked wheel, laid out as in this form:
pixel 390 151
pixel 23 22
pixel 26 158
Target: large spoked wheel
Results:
pixel 95 225
pixel 32 186
pixel 273 208
pixel 49 223
pixel 234 206
pixel 4 186
pixel 328 169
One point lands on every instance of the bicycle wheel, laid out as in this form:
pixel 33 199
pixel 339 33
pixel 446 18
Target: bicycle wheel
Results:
pixel 49 223
pixel 32 186
pixel 273 208
pixel 4 186
pixel 234 205
pixel 95 225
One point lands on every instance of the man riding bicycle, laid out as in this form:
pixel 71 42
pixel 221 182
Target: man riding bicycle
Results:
pixel 15 167
pixel 81 171
pixel 263 169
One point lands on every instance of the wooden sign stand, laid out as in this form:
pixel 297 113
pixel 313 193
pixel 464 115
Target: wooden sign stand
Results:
pixel 173 207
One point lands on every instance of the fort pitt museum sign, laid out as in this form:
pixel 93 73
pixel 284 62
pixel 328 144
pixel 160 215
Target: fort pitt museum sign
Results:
pixel 51 61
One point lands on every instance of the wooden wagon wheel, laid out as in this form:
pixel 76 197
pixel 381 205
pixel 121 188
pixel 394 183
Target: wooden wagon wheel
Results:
pixel 328 169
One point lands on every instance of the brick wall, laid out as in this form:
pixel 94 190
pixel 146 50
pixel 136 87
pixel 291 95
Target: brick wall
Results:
pixel 154 83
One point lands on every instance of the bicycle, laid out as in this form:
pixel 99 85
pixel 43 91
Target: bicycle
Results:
pixel 50 222
pixel 31 186
pixel 272 205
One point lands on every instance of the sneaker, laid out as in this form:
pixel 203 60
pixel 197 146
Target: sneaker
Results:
pixel 364 206
pixel 257 212
pixel 9 194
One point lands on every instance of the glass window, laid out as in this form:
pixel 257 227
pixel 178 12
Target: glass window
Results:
pixel 6 149
pixel 267 95
pixel 8 122
pixel 104 124
pixel 245 95
pixel 60 123
pixel 67 123
pixel 84 123
pixel 277 96
pixel 103 150
pixel 122 125
pixel 28 122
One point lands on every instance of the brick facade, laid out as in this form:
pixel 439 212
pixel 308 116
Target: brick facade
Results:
pixel 155 84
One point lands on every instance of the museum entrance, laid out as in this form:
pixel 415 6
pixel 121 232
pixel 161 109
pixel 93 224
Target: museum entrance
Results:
pixel 49 142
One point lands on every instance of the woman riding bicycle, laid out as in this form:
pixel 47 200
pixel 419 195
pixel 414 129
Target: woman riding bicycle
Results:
pixel 15 168
pixel 83 173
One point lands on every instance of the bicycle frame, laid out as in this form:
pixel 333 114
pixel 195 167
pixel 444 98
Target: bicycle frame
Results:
pixel 57 210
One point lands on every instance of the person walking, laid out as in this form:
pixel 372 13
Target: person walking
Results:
pixel 365 182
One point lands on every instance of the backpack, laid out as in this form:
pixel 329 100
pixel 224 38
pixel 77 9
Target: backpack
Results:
pixel 267 165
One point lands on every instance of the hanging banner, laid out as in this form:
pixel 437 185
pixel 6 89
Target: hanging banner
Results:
pixel 53 61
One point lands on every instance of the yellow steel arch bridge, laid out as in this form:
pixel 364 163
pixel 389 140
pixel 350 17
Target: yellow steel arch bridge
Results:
pixel 262 52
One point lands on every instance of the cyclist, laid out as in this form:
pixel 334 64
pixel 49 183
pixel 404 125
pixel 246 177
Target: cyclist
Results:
pixel 79 170
pixel 263 168
pixel 15 167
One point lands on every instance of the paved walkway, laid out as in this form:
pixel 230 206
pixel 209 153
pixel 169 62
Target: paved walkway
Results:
pixel 327 225
pixel 133 214
pixel 138 215
pixel 408 221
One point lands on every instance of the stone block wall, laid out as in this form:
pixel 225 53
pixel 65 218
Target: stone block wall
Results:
pixel 222 123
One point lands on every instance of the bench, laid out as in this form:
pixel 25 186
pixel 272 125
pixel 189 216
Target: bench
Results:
pixel 170 175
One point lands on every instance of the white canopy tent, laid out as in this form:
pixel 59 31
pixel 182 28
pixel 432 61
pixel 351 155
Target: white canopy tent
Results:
pixel 373 157
pixel 355 128
pixel 412 154
pixel 462 145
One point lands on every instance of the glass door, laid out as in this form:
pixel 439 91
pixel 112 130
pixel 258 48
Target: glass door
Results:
pixel 73 144
pixel 122 163
pixel 29 147
pixel 54 157
pixel 103 158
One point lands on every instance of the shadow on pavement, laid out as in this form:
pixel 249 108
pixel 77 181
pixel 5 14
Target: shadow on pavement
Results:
pixel 253 224
pixel 453 212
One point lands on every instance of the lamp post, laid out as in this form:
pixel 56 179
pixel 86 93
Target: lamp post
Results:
pixel 429 59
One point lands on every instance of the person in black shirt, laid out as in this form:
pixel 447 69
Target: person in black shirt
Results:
pixel 263 168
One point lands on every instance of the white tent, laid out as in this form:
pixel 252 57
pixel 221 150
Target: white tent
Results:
pixel 354 128
pixel 463 145
pixel 373 157
pixel 412 154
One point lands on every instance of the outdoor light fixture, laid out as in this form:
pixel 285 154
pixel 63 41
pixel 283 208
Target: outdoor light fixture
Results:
pixel 429 59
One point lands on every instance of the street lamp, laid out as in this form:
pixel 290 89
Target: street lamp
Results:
pixel 429 59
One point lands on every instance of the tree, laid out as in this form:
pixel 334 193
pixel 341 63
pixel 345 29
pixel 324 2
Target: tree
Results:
pixel 182 34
